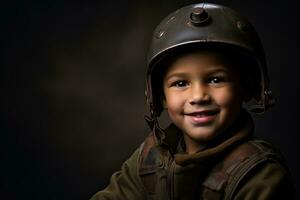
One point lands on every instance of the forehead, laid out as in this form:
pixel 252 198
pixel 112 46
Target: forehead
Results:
pixel 204 60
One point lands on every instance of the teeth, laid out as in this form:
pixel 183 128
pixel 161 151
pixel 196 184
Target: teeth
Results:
pixel 202 114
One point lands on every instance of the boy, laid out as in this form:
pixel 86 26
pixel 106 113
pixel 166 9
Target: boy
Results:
pixel 205 61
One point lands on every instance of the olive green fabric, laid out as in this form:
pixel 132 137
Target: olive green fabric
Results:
pixel 269 181
pixel 124 184
pixel 180 176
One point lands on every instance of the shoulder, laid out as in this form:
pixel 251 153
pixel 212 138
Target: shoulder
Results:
pixel 251 154
pixel 269 180
pixel 150 159
pixel 150 154
pixel 260 172
pixel 254 169
pixel 151 151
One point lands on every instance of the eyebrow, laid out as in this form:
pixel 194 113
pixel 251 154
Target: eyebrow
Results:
pixel 208 72
pixel 177 74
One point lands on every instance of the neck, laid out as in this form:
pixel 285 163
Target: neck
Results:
pixel 192 146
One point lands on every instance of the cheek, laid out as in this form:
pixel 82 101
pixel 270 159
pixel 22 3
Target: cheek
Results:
pixel 228 97
pixel 173 102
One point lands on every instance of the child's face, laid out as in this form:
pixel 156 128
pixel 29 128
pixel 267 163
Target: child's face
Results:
pixel 202 95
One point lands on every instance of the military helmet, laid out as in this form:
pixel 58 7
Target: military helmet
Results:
pixel 206 26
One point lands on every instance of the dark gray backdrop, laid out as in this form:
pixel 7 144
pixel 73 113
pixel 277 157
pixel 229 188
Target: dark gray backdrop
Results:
pixel 72 89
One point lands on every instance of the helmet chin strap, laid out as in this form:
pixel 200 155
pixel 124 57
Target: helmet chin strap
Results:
pixel 266 99
pixel 264 104
pixel 152 120
pixel 155 127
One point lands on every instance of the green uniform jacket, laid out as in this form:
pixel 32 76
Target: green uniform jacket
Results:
pixel 161 172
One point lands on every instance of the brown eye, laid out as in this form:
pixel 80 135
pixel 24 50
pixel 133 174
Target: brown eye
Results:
pixel 180 84
pixel 215 80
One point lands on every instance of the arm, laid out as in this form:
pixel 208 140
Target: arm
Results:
pixel 124 184
pixel 268 181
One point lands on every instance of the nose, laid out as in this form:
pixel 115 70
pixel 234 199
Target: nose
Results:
pixel 199 95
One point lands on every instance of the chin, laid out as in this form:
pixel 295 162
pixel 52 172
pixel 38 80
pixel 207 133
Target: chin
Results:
pixel 205 138
pixel 202 136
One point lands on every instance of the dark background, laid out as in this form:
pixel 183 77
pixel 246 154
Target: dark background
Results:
pixel 72 89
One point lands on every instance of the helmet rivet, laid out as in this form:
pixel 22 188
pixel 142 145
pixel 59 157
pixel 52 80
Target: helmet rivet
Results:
pixel 199 16
pixel 242 26
pixel 160 33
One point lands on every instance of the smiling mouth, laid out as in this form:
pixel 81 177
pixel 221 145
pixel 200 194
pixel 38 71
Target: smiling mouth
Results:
pixel 203 117
pixel 203 113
